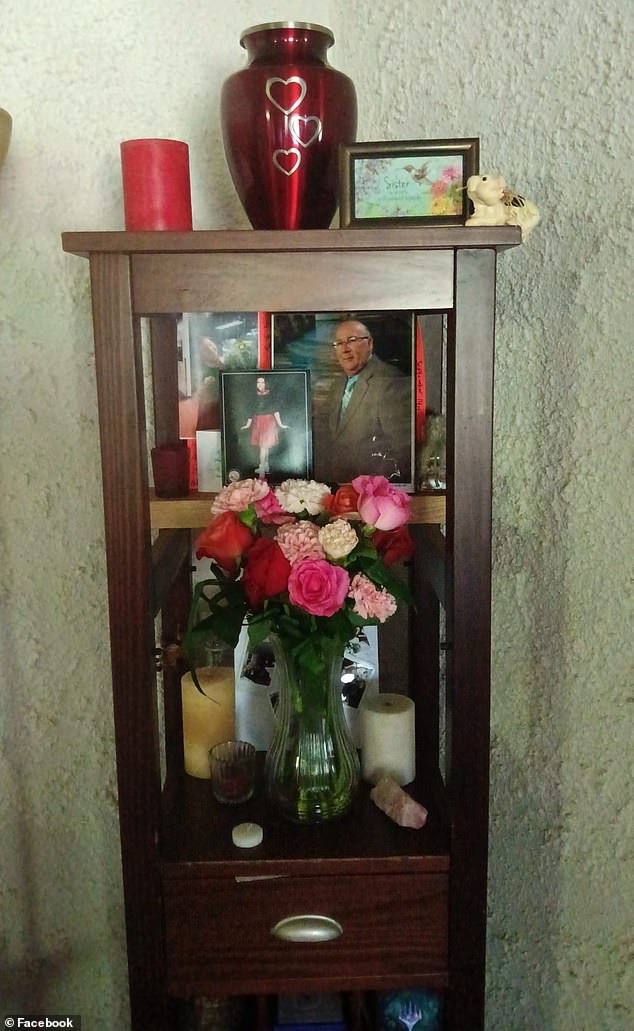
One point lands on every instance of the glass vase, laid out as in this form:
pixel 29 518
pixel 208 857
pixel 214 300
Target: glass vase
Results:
pixel 312 766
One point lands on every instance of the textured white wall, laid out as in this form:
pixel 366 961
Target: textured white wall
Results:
pixel 548 88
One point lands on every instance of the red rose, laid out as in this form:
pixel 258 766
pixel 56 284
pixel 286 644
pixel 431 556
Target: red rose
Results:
pixel 343 502
pixel 266 572
pixel 225 541
pixel 393 544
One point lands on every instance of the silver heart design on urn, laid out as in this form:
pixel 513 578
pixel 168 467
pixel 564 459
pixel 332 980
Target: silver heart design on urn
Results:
pixel 294 80
pixel 292 152
pixel 295 125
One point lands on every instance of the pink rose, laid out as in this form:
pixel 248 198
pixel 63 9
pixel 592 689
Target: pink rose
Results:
pixel 380 504
pixel 270 512
pixel 317 587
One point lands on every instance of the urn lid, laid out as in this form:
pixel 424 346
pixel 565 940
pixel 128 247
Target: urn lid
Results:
pixel 287 25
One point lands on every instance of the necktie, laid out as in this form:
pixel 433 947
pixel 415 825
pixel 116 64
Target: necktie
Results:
pixel 347 394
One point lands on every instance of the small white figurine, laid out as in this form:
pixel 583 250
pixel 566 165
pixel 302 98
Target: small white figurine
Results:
pixel 495 205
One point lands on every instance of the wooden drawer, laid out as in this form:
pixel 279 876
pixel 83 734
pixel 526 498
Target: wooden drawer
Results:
pixel 218 933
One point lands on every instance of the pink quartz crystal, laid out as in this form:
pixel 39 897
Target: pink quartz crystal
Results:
pixel 397 804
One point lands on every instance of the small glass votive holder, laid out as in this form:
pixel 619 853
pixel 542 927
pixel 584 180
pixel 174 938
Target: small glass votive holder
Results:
pixel 170 468
pixel 232 767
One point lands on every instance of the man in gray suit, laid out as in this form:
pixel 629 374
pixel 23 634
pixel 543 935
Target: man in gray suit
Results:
pixel 365 426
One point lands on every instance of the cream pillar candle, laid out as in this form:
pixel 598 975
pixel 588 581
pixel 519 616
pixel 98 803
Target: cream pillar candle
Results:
pixel 388 738
pixel 208 718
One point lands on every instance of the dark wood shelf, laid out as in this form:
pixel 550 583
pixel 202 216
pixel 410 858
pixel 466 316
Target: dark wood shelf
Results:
pixel 194 511
pixel 252 240
pixel 196 834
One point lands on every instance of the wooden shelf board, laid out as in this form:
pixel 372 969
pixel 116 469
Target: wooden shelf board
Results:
pixel 245 240
pixel 194 511
pixel 196 836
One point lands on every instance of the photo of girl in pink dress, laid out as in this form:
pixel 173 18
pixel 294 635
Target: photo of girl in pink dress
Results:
pixel 265 424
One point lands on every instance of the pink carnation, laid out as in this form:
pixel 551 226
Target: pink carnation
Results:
pixel 269 510
pixel 317 587
pixel 371 602
pixel 380 504
pixel 300 540
pixel 237 497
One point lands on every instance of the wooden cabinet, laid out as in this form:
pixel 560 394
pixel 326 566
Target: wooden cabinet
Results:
pixel 412 904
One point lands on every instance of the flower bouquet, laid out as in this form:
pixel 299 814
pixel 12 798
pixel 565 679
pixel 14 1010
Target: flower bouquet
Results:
pixel 306 568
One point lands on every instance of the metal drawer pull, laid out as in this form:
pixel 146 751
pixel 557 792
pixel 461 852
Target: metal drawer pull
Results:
pixel 307 928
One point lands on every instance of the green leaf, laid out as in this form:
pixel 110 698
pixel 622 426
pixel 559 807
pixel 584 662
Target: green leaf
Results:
pixel 311 658
pixel 259 628
pixel 225 612
pixel 248 517
pixel 293 624
pixel 228 624
pixel 365 549
pixel 357 620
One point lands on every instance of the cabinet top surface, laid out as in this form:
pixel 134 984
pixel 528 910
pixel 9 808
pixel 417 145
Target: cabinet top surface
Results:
pixel 250 240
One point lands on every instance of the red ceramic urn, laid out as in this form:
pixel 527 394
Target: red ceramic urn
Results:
pixel 283 118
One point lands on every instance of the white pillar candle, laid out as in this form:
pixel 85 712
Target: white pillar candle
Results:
pixel 208 718
pixel 388 738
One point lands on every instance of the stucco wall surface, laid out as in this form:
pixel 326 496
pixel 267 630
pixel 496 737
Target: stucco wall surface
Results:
pixel 548 89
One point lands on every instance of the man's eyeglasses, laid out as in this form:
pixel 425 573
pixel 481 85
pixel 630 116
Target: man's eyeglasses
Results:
pixel 338 344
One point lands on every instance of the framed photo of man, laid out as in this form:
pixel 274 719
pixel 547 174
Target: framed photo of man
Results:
pixel 266 425
pixel 361 368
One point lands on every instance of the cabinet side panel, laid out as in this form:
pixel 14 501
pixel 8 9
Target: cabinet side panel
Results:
pixel 126 512
pixel 469 428
pixel 406 280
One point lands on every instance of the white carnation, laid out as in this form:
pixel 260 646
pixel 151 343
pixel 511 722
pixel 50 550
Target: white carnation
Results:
pixel 302 495
pixel 338 539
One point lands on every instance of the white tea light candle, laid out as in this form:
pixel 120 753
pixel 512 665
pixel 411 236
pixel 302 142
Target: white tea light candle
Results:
pixel 388 738
pixel 208 718
pixel 247 835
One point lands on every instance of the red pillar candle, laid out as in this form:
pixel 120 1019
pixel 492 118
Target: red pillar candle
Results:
pixel 156 188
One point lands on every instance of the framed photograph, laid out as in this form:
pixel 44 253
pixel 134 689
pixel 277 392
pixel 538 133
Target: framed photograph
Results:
pixel 208 343
pixel 375 432
pixel 412 182
pixel 266 425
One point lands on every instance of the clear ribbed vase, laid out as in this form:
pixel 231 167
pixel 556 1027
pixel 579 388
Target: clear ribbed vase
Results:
pixel 312 766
